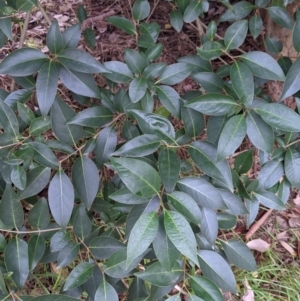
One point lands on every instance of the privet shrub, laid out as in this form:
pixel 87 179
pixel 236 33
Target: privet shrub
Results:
pixel 104 192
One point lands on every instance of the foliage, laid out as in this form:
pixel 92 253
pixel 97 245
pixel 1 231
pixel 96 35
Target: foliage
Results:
pixel 104 190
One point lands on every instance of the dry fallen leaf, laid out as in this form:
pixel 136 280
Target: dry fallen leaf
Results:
pixel 249 294
pixel 283 235
pixel 288 248
pixel 294 222
pixel 296 200
pixel 258 245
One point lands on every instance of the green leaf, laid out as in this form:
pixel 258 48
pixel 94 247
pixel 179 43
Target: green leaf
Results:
pixel 261 3
pixel 71 36
pixel 11 210
pixel 125 196
pixel 226 221
pixel 137 290
pixel 235 205
pixel 279 116
pixel 61 198
pixel 140 146
pixel 153 52
pixel 60 114
pixel 263 65
pixel 235 34
pixel 39 125
pixel 16 261
pixel 292 166
pixel 170 99
pixel 39 216
pixel 243 161
pixel 176 20
pixel 120 73
pixel 95 117
pixel 280 16
pixel 199 64
pixel 214 128
pixel 205 288
pixel 44 155
pixel 211 82
pixel 9 120
pixel 284 191
pixel 292 82
pixel 82 224
pixel 90 37
pixel 106 292
pixel 5 25
pixel 23 62
pixel 239 254
pixel 36 250
pixel 296 35
pixel 175 73
pixel 18 177
pixel 137 89
pixel 67 254
pixel 122 23
pixel 25 113
pixel 269 200
pixel 140 10
pixel 242 82
pixel 37 179
pixel 169 168
pixel 192 12
pixel 209 224
pixel 105 145
pixel 210 50
pixel 138 176
pixel 202 192
pixel 274 46
pixel 154 70
pixel 255 25
pixel 135 62
pixel 157 275
pixel 141 236
pixel 54 297
pixel 54 38
pixel 181 234
pixel 79 275
pixel 259 133
pixel 238 11
pixel 164 249
pixel 80 61
pixel 86 181
pixel 103 247
pixel 231 136
pixel 215 268
pixel 204 154
pixel 270 174
pixel 194 122
pixel 155 125
pixel 80 83
pixel 59 240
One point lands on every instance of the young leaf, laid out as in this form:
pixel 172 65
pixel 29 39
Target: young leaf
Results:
pixel 141 236
pixel 236 34
pixel 175 73
pixel 122 23
pixel 61 198
pixel 169 168
pixel 106 292
pixel 16 261
pixel 291 167
pixel 215 268
pixel 180 233
pixel 85 177
pixel 138 176
pixel 231 136
pixel 54 39
pixel 153 52
pixel 36 250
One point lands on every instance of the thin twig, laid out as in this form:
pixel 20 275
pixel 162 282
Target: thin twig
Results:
pixel 34 231
pixel 292 143
pixel 154 7
pixel 99 18
pixel 44 13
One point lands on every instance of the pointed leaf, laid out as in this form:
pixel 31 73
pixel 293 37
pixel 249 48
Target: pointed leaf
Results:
pixel 135 61
pixel 210 81
pixel 103 247
pixel 176 20
pixel 54 39
pixel 137 89
pixel 39 216
pixel 18 177
pixel 9 120
pixel 120 73
pixel 292 167
pixel 236 34
pixel 125 196
pixel 36 250
pixel 269 200
pixel 82 224
pixel 243 162
pixel 175 73
pixel 170 99
pixel 106 292
pixel 280 16
pixel 67 254
pixel 39 125
pixel 255 25
pixel 192 12
pixel 209 224
pixel 235 205
pixel 140 10
pixel 122 23
pixel 71 36
pixel 44 155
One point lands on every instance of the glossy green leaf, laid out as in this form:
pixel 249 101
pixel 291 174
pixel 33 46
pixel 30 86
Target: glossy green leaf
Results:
pixel 292 82
pixel 36 250
pixel 210 82
pixel 269 200
pixel 71 36
pixel 122 23
pixel 60 115
pixel 235 204
pixel 86 181
pixel 202 192
pixel 59 240
pixel 80 274
pixel 263 65
pixel 23 62
pixel 82 224
pixel 95 117
pixel 67 254
pixel 54 38
pixel 61 198
pixel 231 136
pixel 44 155
pixel 104 247
pixel 205 288
pixel 176 20
pixel 243 162
pixel 292 167
pixel 139 146
pixel 204 154
pixel 215 268
pixel 16 261
pixel 198 63
pixel 226 221
pixel 280 16
pixel 279 116
pixel 192 12
pixel 157 275
pixel 137 290
pixel 5 25
pixel 210 50
pixel 106 292
pixel 90 37
pixel 141 236
pixel 255 25
pixel 125 196
pixel 239 254
pixel 194 122
pixel 175 73
pixel 37 179
pixel 153 52
pixel 39 216
pixel 274 46
pixel 137 89
pixel 39 125
pixel 181 234
pixel 236 34
pixel 54 297
pixel 270 174
pixel 169 168
pixel 9 120
pixel 11 210
pixel 238 11
pixel 170 99
pixel 259 132
pixel 154 70
pixel 140 10
pixel 25 113
pixel 296 35
pixel 138 176
pixel 120 73
pixel 214 128
pixel 18 177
